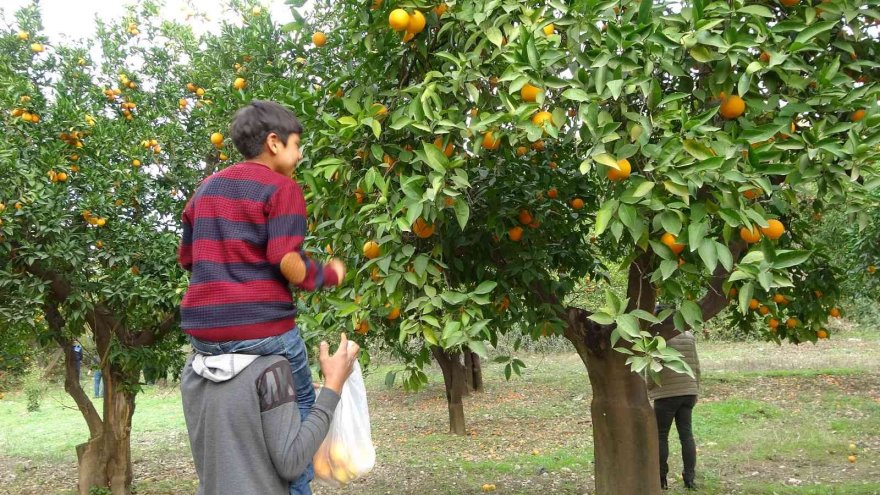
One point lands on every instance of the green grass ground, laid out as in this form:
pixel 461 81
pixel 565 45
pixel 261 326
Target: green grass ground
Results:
pixel 772 420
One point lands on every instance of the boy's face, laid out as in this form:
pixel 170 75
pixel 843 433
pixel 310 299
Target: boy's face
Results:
pixel 288 154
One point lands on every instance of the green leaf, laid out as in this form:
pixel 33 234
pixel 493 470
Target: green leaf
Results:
pixel 668 267
pixel 810 32
pixel 603 216
pixel 602 318
pixel 435 158
pixel 697 149
pixel 645 187
pixel 745 295
pixel 486 287
pixel 377 128
pixel 607 160
pixel 462 212
pixel 479 347
pixel 615 87
pixel 575 94
pixel 758 10
pixel 628 326
pixel 692 313
pixel 708 254
pixel 430 336
pixel 785 259
pixel 495 36
pixel 724 256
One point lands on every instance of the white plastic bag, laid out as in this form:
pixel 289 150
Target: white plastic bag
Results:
pixel 347 452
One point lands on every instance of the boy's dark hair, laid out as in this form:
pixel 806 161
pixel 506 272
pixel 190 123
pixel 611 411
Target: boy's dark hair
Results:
pixel 253 123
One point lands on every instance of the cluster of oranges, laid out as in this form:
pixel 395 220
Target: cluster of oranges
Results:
pixel 772 231
pixel 410 24
pixel 93 219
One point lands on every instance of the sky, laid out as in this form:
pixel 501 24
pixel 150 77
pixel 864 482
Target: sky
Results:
pixel 73 19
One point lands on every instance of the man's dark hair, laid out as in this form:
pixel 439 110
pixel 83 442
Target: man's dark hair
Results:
pixel 253 123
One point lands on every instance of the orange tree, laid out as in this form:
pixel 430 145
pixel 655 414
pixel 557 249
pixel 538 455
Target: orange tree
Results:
pixel 474 160
pixel 472 167
pixel 97 159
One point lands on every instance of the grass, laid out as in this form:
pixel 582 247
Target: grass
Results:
pixel 771 420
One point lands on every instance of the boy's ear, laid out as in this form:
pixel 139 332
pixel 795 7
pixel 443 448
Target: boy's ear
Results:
pixel 272 143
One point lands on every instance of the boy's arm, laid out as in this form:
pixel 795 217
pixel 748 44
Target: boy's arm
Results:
pixel 184 253
pixel 287 229
pixel 291 444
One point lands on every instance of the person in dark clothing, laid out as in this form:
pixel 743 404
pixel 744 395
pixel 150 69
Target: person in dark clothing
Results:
pixel 674 400
pixel 77 358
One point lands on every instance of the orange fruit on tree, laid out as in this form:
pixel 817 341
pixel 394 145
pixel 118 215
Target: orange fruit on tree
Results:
pixel 773 323
pixel 789 3
pixel 530 93
pixel 549 29
pixel 447 151
pixel 872 269
pixel 751 193
pixel 791 322
pixel 525 217
pixel 515 233
pixel 408 36
pixel 319 39
pixel 379 109
pixel 753 304
pixel 375 276
pixel 732 292
pixel 521 150
pixel 362 327
pixel 490 142
pixel 750 236
pixel 552 193
pixel 857 115
pixel 764 310
pixel 421 228
pixel 731 106
pixel 359 196
pixel 441 9
pixel 377 4
pixel 542 117
pixel 371 249
pixel 448 201
pixel 623 173
pixel 416 22
pixel 538 145
pixel 822 333
pixel 239 83
pixel 217 139
pixel 669 240
pixel 394 313
pixel 835 313
pixel 23 35
pixel 37 47
pixel 577 203
pixel 765 57
pixel 774 229
pixel 780 299
pixel 398 20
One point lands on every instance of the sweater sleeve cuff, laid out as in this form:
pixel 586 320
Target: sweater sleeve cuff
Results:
pixel 330 278
pixel 327 400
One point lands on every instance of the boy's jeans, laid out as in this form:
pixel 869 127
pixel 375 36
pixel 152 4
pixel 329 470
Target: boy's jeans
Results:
pixel 291 346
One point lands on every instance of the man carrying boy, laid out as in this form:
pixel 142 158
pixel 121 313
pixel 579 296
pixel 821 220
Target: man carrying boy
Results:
pixel 243 231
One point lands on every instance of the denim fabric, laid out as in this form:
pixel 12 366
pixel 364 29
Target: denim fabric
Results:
pixel 677 408
pixel 291 346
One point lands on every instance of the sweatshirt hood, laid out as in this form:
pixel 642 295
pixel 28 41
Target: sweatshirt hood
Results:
pixel 221 368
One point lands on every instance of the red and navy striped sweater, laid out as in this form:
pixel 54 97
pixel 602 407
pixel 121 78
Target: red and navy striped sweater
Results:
pixel 236 229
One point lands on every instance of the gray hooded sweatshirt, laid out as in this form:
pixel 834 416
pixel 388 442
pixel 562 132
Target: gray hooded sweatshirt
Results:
pixel 244 424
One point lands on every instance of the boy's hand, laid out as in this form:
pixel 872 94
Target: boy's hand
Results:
pixel 339 267
pixel 338 367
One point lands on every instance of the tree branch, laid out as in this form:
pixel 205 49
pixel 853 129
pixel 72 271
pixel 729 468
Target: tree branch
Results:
pixel 150 336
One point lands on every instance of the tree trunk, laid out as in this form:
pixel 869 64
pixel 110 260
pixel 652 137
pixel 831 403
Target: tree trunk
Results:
pixel 105 460
pixel 476 372
pixel 473 372
pixel 625 443
pixel 454 380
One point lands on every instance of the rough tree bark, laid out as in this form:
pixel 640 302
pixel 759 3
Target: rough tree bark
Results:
pixel 473 372
pixel 624 428
pixel 454 379
pixel 104 461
